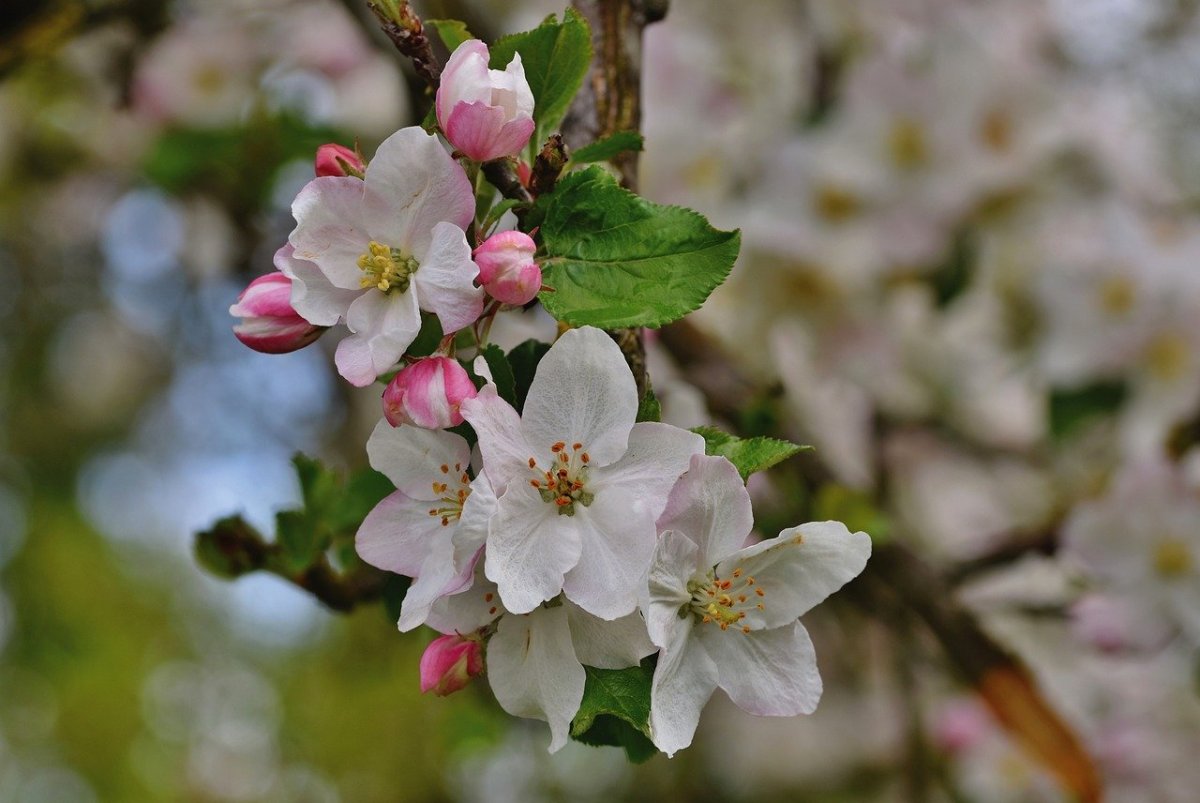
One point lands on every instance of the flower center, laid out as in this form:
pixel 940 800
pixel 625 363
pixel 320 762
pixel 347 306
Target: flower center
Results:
pixel 724 602
pixel 1172 558
pixel 385 268
pixel 452 498
pixel 565 483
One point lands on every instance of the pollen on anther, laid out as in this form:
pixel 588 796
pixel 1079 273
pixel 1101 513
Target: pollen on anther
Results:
pixel 584 457
pixel 535 483
pixel 761 607
pixel 749 581
pixel 562 501
pixel 577 446
pixel 489 596
pixel 445 521
pixel 458 466
pixel 492 609
pixel 558 447
pixel 532 463
pixel 760 592
pixel 737 572
pixel 445 469
pixel 741 597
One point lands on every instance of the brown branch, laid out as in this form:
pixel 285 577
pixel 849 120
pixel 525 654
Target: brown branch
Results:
pixel 403 27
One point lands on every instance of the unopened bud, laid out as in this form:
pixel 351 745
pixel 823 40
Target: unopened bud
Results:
pixel 506 267
pixel 338 160
pixel 269 323
pixel 428 393
pixel 449 663
pixel 486 114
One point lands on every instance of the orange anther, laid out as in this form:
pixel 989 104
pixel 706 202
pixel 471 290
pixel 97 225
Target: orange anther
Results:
pixel 562 501
pixel 584 457
pixel 760 592
pixel 737 572
pixel 577 446
pixel 489 596
pixel 445 469
pixel 558 447
pixel 746 628
pixel 532 463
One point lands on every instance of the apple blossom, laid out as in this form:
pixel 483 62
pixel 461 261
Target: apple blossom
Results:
pixel 506 267
pixel 580 484
pixel 428 393
pixel 486 114
pixel 727 617
pixel 396 241
pixel 433 526
pixel 449 663
pixel 269 323
pixel 338 160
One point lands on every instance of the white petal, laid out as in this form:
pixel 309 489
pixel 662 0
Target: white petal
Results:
pixel 446 279
pixel 673 565
pixel 608 645
pixel 797 570
pixel 435 579
pixel 396 535
pixel 683 681
pixel 582 392
pixel 384 325
pixel 711 506
pixel 333 217
pixel 313 296
pixel 658 454
pixel 530 547
pixel 472 530
pixel 616 534
pixel 505 452
pixel 533 670
pixel 766 672
pixel 412 457
pixel 422 186
pixel 516 82
pixel 468 610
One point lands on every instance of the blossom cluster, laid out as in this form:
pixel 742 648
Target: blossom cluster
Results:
pixel 573 534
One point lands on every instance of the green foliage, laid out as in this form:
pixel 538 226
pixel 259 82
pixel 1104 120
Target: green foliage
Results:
pixel 502 372
pixel 855 508
pixel 748 455
pixel 523 360
pixel 606 148
pixel 616 709
pixel 617 260
pixel 452 32
pixel 556 56
pixel 649 408
pixel 1070 409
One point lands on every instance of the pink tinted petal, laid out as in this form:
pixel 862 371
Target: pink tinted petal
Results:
pixel 505 452
pixel 384 325
pixel 449 663
pixel 270 337
pixel 314 297
pixel 435 579
pixel 512 137
pixel 474 129
pixel 710 505
pixel 465 77
pixel 446 279
pixel 529 549
pixel 658 454
pixel 332 227
pixel 766 672
pixel 422 187
pixel 583 392
pixel 412 458
pixel 467 610
pixel 617 541
pixel 337 160
pixel 396 534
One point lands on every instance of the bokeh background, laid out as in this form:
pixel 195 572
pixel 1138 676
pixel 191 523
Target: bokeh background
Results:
pixel 970 277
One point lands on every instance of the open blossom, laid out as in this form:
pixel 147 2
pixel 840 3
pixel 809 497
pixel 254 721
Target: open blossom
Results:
pixel 579 483
pixel 486 114
pixel 433 527
pixel 726 617
pixel 449 663
pixel 395 242
pixel 506 267
pixel 269 323
pixel 428 393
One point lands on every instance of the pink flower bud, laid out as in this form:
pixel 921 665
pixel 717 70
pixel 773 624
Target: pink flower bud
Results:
pixel 428 393
pixel 506 267
pixel 338 160
pixel 449 663
pixel 269 324
pixel 486 114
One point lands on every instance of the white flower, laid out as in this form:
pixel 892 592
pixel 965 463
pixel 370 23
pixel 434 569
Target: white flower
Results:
pixel 395 241
pixel 727 617
pixel 535 661
pixel 579 483
pixel 433 527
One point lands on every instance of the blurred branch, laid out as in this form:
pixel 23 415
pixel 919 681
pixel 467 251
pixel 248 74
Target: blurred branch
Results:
pixel 403 27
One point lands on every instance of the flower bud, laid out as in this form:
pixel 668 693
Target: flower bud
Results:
pixel 428 393
pixel 269 323
pixel 506 267
pixel 338 160
pixel 486 114
pixel 449 663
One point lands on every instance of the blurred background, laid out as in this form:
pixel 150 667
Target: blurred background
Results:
pixel 970 277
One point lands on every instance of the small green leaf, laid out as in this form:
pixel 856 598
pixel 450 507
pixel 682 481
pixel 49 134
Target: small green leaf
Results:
pixel 524 361
pixel 555 56
pixel 616 709
pixel 748 455
pixel 1070 409
pixel 497 212
pixel 300 537
pixel 649 408
pixel 604 149
pixel 616 260
pixel 452 32
pixel 502 373
pixel 362 492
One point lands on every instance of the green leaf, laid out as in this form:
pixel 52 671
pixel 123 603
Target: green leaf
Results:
pixel 363 491
pixel 555 56
pixel 649 408
pixel 1070 409
pixel 524 361
pixel 452 32
pixel 301 538
pixel 502 373
pixel 497 212
pixel 604 149
pixel 748 455
pixel 615 709
pixel 616 260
